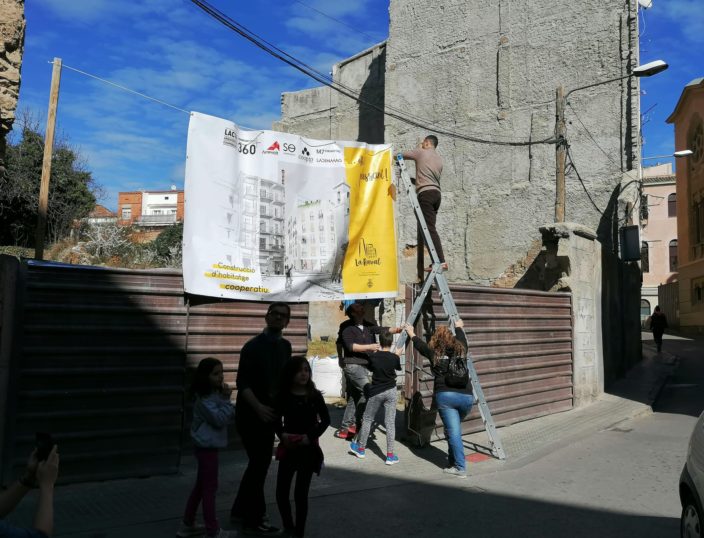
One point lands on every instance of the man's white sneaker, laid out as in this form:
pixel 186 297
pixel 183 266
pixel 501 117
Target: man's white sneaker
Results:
pixel 454 471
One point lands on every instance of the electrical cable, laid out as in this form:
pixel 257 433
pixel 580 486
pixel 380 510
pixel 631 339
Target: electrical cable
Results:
pixel 627 173
pixel 143 95
pixel 348 92
pixel 125 88
pixel 579 177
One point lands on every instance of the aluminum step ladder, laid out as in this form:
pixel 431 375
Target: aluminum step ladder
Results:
pixel 437 275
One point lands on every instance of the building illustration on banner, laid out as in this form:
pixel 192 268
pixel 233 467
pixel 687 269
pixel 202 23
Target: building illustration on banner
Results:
pixel 254 224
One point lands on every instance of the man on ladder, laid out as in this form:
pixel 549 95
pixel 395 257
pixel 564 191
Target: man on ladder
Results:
pixel 428 171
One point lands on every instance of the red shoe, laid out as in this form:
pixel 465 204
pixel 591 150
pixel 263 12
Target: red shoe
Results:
pixel 342 434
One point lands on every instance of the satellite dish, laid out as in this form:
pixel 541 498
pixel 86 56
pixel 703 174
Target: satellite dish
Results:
pixel 645 4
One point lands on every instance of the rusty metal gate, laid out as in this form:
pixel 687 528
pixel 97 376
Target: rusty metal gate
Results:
pixel 99 357
pixel 521 345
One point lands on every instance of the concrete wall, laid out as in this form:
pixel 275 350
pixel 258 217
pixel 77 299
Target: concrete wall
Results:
pixel 490 69
pixel 12 26
pixel 326 114
pixel 570 260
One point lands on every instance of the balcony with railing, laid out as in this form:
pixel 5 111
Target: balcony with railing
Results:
pixel 156 220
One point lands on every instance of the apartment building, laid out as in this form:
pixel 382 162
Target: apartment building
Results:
pixel 658 233
pixel 150 209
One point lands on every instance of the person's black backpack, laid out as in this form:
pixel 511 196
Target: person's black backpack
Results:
pixel 457 376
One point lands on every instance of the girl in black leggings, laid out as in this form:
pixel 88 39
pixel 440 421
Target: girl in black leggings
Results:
pixel 303 417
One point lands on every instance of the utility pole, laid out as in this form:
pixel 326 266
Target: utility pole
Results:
pixel 560 154
pixel 46 163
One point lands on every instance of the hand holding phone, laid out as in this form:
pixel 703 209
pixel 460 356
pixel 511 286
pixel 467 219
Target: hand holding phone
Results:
pixel 44 445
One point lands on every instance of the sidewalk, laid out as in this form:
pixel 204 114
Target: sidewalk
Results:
pixel 153 506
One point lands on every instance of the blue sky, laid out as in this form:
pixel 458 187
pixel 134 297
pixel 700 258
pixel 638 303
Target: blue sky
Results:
pixel 674 32
pixel 172 51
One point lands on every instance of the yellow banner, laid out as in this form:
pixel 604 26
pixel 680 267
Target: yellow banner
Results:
pixel 370 265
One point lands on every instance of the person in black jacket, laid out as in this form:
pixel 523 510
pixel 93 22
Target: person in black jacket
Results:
pixel 258 374
pixel 358 338
pixel 302 419
pixel 453 402
pixel 658 324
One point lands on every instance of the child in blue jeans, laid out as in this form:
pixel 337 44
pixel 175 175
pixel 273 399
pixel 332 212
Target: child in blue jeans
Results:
pixel 211 413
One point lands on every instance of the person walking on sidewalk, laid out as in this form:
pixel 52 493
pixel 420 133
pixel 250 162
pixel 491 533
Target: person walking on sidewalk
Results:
pixel 382 391
pixel 211 413
pixel 358 340
pixel 302 417
pixel 452 393
pixel 658 324
pixel 428 171
pixel 258 375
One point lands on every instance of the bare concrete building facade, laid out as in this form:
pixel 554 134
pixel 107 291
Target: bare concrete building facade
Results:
pixel 482 76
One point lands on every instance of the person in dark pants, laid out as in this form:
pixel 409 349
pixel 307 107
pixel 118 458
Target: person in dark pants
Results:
pixel 658 324
pixel 358 340
pixel 262 360
pixel 302 419
pixel 428 170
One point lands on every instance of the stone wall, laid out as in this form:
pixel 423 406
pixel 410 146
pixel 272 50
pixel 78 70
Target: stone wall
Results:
pixel 12 25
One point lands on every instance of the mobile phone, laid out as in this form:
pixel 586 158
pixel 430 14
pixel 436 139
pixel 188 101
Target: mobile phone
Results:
pixel 44 445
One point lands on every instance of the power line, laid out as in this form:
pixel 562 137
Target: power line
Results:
pixel 140 94
pixel 622 189
pixel 340 88
pixel 125 88
pixel 579 177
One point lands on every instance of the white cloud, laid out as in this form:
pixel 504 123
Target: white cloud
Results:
pixel 106 11
pixel 337 9
pixel 687 14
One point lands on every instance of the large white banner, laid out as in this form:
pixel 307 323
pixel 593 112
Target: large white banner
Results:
pixel 275 216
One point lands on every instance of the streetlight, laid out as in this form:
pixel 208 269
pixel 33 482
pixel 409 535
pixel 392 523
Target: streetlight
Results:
pixel 681 153
pixel 645 70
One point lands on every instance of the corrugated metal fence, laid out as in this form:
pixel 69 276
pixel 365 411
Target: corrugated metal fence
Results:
pixel 521 345
pixel 98 357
